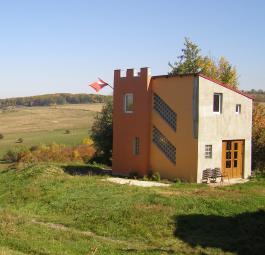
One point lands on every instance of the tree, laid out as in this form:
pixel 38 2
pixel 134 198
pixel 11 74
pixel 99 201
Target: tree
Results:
pixel 102 133
pixel 192 62
pixel 189 61
pixel 258 136
pixel 227 73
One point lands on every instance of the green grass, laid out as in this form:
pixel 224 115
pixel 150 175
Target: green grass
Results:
pixel 44 210
pixel 45 125
pixel 43 137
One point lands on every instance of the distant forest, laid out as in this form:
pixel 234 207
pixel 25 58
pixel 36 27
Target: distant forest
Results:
pixel 259 95
pixel 53 99
pixel 66 98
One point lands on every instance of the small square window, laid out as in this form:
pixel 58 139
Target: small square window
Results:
pixel 136 146
pixel 238 108
pixel 128 103
pixel 217 102
pixel 208 151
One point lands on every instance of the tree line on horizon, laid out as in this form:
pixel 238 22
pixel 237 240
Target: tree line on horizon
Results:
pixel 53 99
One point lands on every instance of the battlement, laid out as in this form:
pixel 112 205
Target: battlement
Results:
pixel 132 73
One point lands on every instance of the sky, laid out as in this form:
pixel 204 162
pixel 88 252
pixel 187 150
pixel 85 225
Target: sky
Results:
pixel 50 46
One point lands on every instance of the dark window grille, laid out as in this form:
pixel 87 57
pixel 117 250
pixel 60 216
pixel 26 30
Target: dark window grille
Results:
pixel 164 145
pixel 165 112
pixel 136 146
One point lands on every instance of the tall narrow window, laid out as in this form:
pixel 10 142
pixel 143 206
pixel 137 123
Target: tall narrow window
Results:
pixel 128 103
pixel 208 151
pixel 217 103
pixel 136 146
pixel 238 108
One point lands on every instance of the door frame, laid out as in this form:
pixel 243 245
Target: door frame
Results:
pixel 243 155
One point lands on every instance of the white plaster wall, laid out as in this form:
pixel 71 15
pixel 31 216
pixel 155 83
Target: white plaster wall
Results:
pixel 213 127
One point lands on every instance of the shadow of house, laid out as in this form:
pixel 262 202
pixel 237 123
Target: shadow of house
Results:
pixel 86 170
pixel 243 234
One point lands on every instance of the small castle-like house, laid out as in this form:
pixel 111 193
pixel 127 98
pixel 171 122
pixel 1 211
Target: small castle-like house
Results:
pixel 179 126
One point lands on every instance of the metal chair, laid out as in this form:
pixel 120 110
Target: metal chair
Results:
pixel 206 175
pixel 218 174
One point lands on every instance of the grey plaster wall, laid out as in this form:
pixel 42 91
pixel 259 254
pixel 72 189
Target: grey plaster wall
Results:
pixel 213 128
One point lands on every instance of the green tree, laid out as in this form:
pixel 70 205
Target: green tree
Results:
pixel 191 62
pixel 227 73
pixel 102 133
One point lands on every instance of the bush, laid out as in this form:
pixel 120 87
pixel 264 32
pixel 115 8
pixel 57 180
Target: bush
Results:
pixel 1 136
pixel 87 141
pixel 20 140
pixel 133 175
pixel 156 177
pixel 50 153
pixel 102 134
pixel 16 154
pixel 67 131
pixel 258 137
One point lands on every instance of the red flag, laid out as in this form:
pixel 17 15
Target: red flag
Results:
pixel 98 85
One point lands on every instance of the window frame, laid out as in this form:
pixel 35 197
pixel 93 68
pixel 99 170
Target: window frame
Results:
pixel 126 101
pixel 238 108
pixel 208 151
pixel 220 96
pixel 136 145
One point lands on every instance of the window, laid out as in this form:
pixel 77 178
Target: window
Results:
pixel 238 108
pixel 164 145
pixel 136 146
pixel 165 111
pixel 208 151
pixel 217 103
pixel 128 103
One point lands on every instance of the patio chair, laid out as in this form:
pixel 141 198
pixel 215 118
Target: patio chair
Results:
pixel 216 173
pixel 206 175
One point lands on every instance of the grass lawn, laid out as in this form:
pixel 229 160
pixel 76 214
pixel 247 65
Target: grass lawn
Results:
pixel 45 210
pixel 45 125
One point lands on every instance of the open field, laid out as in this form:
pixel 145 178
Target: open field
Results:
pixel 45 210
pixel 38 125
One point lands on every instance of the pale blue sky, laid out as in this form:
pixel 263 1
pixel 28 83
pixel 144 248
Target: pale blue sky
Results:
pixel 49 46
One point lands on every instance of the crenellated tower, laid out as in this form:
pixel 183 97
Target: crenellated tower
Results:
pixel 131 122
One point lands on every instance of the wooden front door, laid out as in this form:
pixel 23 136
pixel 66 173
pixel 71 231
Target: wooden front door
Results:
pixel 232 158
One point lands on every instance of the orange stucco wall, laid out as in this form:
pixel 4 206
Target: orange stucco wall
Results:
pixel 177 92
pixel 127 126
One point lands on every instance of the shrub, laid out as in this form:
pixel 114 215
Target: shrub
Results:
pixel 16 154
pixel 20 140
pixel 87 141
pixel 102 134
pixel 145 178
pixel 133 175
pixel 258 137
pixel 50 153
pixel 156 177
pixel 1 136
pixel 67 131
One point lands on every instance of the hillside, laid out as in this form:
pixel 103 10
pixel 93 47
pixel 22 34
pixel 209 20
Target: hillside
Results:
pixel 259 95
pixel 53 99
pixel 39 125
pixel 45 210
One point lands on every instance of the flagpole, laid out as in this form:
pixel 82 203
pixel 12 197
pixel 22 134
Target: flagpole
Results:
pixel 110 86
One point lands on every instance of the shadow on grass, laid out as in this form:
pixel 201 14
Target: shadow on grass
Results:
pixel 86 170
pixel 243 234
